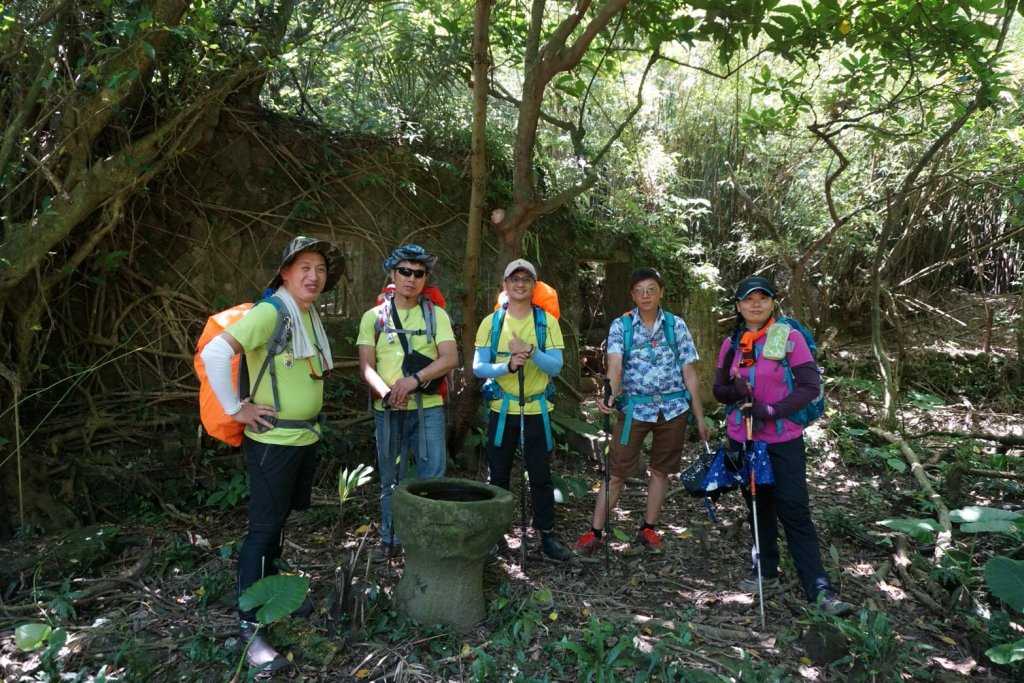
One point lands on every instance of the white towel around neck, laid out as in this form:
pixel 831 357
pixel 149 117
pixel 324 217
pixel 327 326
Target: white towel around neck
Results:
pixel 302 345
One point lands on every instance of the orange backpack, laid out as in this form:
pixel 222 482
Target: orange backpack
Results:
pixel 544 296
pixel 215 421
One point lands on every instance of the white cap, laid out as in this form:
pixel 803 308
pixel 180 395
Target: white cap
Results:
pixel 520 264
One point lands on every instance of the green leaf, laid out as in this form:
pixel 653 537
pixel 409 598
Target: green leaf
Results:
pixel 979 513
pixel 897 464
pixel 276 596
pixel 1007 653
pixel 583 655
pixel 921 530
pixel 1005 578
pixel 923 401
pixel 576 425
pixel 543 598
pixel 993 526
pixel 29 637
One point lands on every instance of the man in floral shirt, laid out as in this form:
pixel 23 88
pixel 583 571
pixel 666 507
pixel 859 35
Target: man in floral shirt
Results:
pixel 654 384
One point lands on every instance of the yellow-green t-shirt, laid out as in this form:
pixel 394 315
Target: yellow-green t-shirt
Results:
pixel 301 396
pixel 534 381
pixel 389 351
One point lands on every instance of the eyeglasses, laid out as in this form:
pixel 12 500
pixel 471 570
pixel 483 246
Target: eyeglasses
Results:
pixel 411 272
pixel 519 280
pixel 650 291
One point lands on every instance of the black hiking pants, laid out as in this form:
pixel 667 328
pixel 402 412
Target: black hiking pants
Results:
pixel 501 460
pixel 788 503
pixel 280 480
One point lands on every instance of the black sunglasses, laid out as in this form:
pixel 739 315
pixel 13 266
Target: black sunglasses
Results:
pixel 411 272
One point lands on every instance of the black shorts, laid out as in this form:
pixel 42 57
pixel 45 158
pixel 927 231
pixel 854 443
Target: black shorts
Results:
pixel 280 479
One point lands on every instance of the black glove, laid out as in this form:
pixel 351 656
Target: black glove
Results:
pixel 740 386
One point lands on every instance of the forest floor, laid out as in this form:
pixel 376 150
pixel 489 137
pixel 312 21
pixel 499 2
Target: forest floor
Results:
pixel 161 608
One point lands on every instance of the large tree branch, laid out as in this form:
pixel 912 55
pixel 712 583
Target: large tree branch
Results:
pixel 759 215
pixel 556 56
pixel 15 128
pixel 90 112
pixel 120 173
pixel 498 92
pixel 540 66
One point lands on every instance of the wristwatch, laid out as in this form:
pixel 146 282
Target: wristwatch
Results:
pixel 419 381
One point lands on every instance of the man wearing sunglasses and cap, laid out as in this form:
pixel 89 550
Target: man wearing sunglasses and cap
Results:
pixel 406 347
pixel 282 425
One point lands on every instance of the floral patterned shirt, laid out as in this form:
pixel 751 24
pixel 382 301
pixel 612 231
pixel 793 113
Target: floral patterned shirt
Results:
pixel 651 369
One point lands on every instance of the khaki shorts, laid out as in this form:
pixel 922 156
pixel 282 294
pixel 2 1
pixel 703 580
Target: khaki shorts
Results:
pixel 666 452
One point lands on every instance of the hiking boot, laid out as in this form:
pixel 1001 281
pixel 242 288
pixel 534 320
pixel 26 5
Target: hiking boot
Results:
pixel 749 584
pixel 648 539
pixel 259 653
pixel 554 549
pixel 588 544
pixel 830 603
pixel 385 551
pixel 493 555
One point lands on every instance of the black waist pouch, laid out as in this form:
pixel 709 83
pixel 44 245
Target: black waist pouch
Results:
pixel 416 361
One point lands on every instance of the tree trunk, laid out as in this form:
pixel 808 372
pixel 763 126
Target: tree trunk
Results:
pixel 466 412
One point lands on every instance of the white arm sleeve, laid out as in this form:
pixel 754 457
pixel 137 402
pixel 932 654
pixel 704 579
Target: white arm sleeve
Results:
pixel 217 355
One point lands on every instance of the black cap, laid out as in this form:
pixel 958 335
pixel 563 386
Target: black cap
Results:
pixel 752 284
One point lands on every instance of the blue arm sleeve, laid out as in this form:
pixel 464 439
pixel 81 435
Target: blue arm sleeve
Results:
pixel 484 368
pixel 549 362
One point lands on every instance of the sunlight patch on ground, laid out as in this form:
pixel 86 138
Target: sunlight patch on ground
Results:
pixel 963 668
pixel 892 592
pixel 863 570
pixel 809 673
pixel 830 482
pixel 737 598
pixel 679 531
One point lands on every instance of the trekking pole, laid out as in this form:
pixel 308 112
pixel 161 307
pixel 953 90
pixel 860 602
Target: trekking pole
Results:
pixel 607 474
pixel 526 479
pixel 757 534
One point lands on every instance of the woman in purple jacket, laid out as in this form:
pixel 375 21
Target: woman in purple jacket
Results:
pixel 751 384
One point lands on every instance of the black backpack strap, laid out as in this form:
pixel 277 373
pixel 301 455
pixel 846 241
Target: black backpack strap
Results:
pixel 734 345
